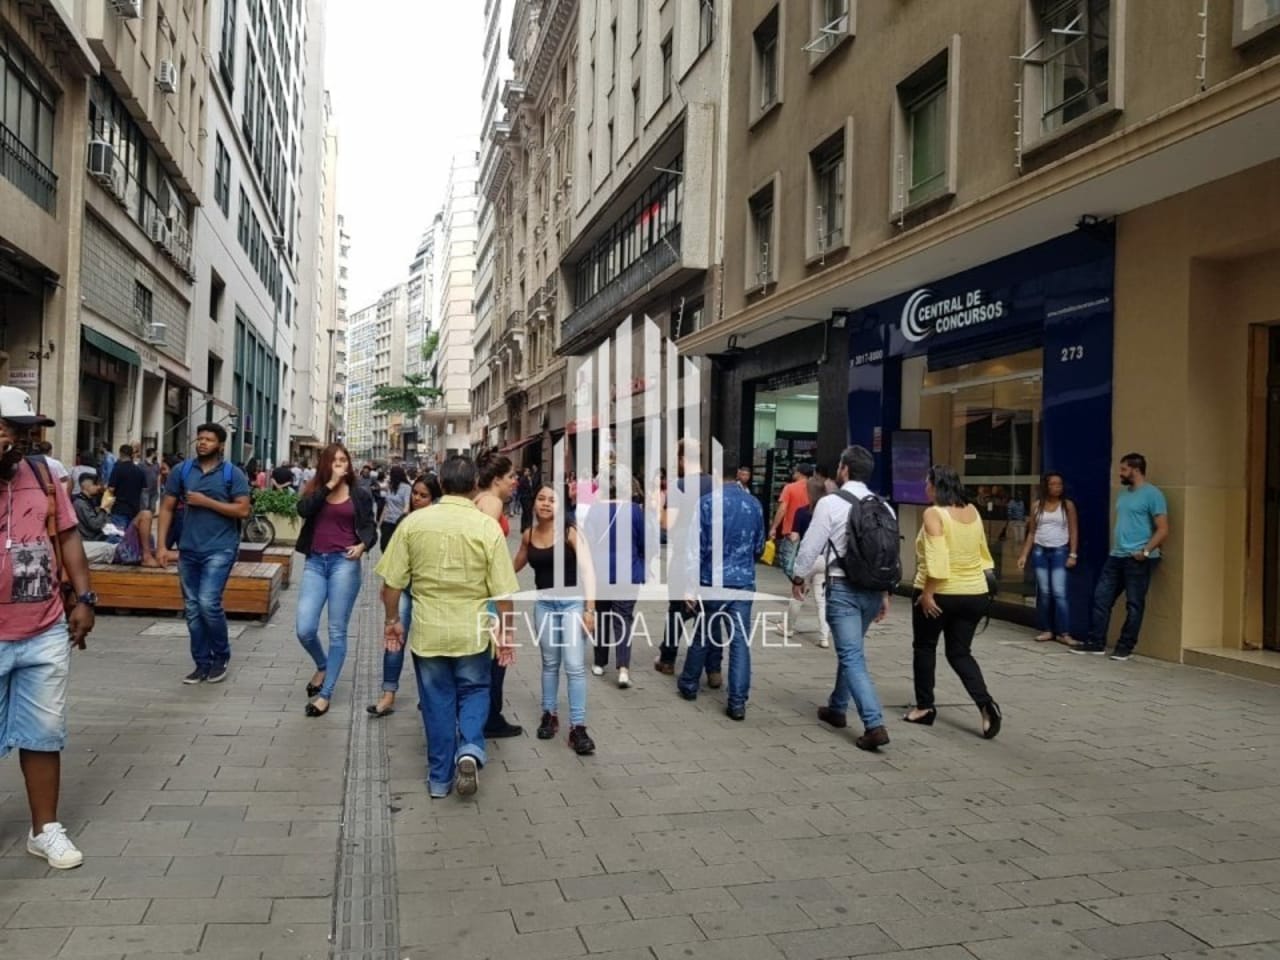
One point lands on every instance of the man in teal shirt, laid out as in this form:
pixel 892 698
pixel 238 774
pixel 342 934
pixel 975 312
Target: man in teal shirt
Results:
pixel 1142 524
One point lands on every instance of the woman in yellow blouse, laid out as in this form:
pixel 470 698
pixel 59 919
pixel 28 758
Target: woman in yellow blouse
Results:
pixel 950 597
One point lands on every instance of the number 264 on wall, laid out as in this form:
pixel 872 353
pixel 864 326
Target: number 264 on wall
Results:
pixel 1073 353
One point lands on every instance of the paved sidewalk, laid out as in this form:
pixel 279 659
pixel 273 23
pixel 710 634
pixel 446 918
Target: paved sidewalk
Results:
pixel 1126 811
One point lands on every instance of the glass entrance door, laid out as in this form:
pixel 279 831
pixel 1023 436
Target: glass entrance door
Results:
pixel 990 412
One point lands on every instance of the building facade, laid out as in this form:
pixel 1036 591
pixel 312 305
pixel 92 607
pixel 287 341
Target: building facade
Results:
pixel 377 359
pixel 421 308
pixel 530 187
pixel 1015 237
pixel 47 69
pixel 448 416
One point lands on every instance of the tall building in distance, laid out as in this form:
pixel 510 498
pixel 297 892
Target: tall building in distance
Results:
pixel 377 359
pixel 142 363
pixel 249 247
pixel 448 416
pixel 46 64
pixel 340 355
pixel 530 188
pixel 421 311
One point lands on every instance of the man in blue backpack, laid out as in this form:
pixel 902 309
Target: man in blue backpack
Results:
pixel 215 496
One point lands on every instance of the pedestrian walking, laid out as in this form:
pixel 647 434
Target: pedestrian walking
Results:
pixel 399 492
pixel 1142 525
pixel 951 596
pixel 615 533
pixel 337 530
pixel 525 493
pixel 496 479
pixel 215 499
pixel 425 492
pixel 792 498
pixel 853 538
pixel 454 561
pixel 1051 543
pixel 814 578
pixel 725 571
pixel 56 467
pixel 36 630
pixel 564 613
pixel 679 518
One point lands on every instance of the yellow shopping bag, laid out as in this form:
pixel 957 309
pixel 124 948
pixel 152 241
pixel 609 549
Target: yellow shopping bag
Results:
pixel 770 551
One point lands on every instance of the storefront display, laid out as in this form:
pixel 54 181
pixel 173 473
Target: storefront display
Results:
pixel 1008 368
pixel 785 432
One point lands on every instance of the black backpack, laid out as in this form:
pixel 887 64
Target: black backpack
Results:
pixel 872 558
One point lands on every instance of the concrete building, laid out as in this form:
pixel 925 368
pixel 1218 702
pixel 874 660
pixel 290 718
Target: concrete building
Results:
pixel 448 417
pixel 1017 236
pixel 421 312
pixel 249 244
pixel 647 181
pixel 141 367
pixel 497 71
pixel 313 390
pixel 530 186
pixel 46 66
pixel 362 339
pixel 339 360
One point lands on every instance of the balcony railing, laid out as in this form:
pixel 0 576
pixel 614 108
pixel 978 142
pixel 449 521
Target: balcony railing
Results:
pixel 25 171
pixel 661 256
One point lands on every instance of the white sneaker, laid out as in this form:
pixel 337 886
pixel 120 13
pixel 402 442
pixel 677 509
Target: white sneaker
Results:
pixel 824 642
pixel 624 678
pixel 55 846
pixel 597 671
pixel 468 777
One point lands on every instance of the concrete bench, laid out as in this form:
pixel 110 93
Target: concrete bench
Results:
pixel 253 589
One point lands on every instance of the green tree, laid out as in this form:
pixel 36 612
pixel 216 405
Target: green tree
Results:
pixel 429 346
pixel 407 399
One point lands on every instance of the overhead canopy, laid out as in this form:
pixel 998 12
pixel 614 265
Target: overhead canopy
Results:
pixel 108 346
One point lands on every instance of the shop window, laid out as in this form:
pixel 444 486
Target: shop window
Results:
pixel 766 81
pixel 831 24
pixel 827 218
pixel 1254 18
pixel 1068 69
pixel 925 133
pixel 761 229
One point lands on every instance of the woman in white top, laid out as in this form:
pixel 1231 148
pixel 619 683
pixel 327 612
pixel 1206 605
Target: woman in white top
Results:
pixel 1052 538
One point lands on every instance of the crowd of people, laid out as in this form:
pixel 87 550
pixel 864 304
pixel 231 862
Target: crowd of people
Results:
pixel 448 574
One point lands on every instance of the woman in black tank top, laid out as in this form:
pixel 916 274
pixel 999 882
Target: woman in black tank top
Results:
pixel 564 614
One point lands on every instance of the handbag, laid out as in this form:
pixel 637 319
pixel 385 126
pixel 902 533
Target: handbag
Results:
pixel 993 584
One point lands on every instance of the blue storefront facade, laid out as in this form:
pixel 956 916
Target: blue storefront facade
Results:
pixel 1004 372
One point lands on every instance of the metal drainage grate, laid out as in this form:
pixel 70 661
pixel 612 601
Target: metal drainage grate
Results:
pixel 366 921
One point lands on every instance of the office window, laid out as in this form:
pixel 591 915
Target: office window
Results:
pixel 927 142
pixel 227 54
pixel 242 222
pixel 637 118
pixel 830 25
pixel 1254 18
pixel 610 155
pixel 706 23
pixel 221 176
pixel 761 266
pixel 765 67
pixel 827 169
pixel 26 126
pixel 666 68
pixel 613 55
pixel 1075 59
pixel 143 305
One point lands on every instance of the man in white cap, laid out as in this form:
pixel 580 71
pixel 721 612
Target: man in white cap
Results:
pixel 40 552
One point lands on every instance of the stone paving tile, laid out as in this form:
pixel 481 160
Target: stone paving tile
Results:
pixel 1233 929
pixel 1137 940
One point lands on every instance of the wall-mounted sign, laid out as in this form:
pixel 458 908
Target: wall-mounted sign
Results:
pixel 25 377
pixel 925 313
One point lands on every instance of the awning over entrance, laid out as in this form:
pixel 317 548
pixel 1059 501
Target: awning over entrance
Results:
pixel 513 447
pixel 108 346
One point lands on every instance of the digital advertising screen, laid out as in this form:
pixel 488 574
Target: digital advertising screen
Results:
pixel 910 457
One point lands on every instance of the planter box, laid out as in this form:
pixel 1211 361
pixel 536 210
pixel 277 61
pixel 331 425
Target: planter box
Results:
pixel 287 529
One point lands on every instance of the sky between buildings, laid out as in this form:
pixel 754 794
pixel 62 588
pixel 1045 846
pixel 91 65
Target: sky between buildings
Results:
pixel 404 77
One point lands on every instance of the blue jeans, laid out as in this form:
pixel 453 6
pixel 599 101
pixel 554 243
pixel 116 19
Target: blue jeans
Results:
pixel 561 641
pixel 204 577
pixel 850 612
pixel 725 623
pixel 1052 610
pixel 33 691
pixel 677 627
pixel 1121 575
pixel 454 695
pixel 333 579
pixel 393 663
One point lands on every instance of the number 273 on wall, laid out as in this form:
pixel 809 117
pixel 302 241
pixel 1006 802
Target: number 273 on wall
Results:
pixel 1072 353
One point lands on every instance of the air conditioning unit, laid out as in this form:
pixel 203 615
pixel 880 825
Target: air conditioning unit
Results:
pixel 102 161
pixel 158 229
pixel 167 77
pixel 127 9
pixel 153 333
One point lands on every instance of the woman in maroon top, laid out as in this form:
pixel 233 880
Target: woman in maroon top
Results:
pixel 338 528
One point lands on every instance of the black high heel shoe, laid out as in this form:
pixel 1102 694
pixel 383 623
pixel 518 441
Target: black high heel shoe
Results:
pixel 926 720
pixel 314 688
pixel 314 711
pixel 991 713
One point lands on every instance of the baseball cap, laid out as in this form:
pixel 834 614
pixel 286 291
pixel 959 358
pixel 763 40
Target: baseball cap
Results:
pixel 16 408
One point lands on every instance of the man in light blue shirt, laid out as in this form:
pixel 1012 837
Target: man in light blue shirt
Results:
pixel 1142 525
